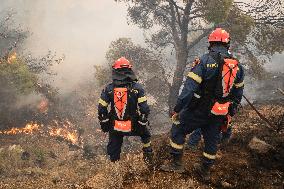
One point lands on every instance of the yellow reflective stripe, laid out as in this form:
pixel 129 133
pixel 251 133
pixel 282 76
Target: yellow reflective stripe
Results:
pixel 195 77
pixel 142 99
pixel 103 103
pixel 238 85
pixel 147 145
pixel 209 156
pixel 176 146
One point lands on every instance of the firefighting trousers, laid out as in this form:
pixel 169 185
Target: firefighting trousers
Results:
pixel 195 136
pixel 190 121
pixel 116 141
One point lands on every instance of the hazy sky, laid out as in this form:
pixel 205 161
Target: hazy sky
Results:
pixel 80 29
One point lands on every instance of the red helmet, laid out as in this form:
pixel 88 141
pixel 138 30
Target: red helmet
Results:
pixel 121 63
pixel 219 35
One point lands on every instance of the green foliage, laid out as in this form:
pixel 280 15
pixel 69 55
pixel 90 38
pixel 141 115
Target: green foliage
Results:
pixel 40 156
pixel 142 58
pixel 16 75
pixel 240 25
pixel 15 80
pixel 147 13
pixel 120 47
pixel 102 74
pixel 269 40
pixel 216 11
pixel 252 25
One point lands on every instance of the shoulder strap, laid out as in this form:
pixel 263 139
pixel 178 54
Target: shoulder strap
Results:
pixel 215 83
pixel 120 98
pixel 223 74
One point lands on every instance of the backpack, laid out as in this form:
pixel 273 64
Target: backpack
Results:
pixel 227 72
pixel 123 109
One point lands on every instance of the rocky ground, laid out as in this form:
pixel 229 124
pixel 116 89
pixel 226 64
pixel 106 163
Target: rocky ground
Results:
pixel 254 158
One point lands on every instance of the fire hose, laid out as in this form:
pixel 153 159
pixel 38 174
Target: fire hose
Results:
pixel 281 91
pixel 269 124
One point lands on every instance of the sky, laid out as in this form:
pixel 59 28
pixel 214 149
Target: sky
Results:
pixel 81 30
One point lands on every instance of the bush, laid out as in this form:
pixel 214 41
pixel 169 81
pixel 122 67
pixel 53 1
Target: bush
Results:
pixel 15 75
pixel 16 80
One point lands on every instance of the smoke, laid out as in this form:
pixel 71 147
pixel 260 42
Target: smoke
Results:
pixel 277 64
pixel 266 90
pixel 81 30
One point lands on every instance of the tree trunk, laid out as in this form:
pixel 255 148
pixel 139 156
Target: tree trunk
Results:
pixel 182 50
pixel 181 56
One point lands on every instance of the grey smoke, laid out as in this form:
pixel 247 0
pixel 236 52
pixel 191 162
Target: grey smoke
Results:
pixel 82 30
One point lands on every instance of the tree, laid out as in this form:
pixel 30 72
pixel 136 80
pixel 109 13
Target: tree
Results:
pixel 20 74
pixel 11 40
pixel 183 24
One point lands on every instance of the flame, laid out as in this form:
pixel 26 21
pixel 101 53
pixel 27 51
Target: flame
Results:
pixel 63 130
pixel 71 136
pixel 30 128
pixel 12 58
pixel 66 132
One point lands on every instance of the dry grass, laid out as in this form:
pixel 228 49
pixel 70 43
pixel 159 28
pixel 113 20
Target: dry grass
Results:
pixel 53 164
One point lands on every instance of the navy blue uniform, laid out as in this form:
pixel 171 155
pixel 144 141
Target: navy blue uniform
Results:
pixel 139 113
pixel 195 137
pixel 193 116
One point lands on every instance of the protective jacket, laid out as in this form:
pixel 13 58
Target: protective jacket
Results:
pixel 127 103
pixel 123 110
pixel 199 91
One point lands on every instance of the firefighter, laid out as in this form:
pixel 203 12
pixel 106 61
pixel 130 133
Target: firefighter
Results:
pixel 212 91
pixel 195 136
pixel 128 112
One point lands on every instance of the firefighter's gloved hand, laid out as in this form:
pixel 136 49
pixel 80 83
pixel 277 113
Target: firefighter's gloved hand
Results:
pixel 227 123
pixel 105 124
pixel 175 118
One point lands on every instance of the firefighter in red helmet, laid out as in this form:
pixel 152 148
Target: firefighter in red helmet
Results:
pixel 128 112
pixel 211 93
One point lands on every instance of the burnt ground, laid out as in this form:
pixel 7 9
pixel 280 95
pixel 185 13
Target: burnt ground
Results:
pixel 38 161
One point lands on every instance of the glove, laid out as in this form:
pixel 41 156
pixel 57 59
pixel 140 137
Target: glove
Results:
pixel 175 118
pixel 227 123
pixel 195 63
pixel 105 125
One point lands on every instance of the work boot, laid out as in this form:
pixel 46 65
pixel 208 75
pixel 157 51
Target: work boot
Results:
pixel 148 158
pixel 176 165
pixel 203 171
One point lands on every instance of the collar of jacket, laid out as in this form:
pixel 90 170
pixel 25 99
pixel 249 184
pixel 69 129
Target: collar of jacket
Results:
pixel 123 76
pixel 220 49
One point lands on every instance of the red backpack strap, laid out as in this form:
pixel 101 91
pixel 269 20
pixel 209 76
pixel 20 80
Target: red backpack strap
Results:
pixel 229 73
pixel 120 98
